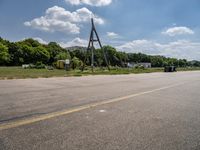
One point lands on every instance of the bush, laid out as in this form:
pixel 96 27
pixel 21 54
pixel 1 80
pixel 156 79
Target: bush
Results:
pixel 139 67
pixel 39 65
pixel 76 63
pixel 50 67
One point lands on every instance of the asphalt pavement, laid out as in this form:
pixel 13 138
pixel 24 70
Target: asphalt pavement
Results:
pixel 156 111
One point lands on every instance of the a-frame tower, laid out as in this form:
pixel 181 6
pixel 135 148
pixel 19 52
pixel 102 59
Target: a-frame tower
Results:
pixel 91 47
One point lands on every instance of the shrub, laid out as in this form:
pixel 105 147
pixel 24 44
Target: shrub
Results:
pixel 76 63
pixel 39 65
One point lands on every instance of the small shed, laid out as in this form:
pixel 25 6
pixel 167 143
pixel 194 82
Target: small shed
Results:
pixel 60 64
pixel 63 64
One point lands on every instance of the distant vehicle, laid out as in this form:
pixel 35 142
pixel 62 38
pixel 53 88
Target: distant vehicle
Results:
pixel 170 69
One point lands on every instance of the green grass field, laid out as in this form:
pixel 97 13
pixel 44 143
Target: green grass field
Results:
pixel 20 73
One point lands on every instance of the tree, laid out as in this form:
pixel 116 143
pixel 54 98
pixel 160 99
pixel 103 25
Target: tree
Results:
pixel 76 63
pixel 16 54
pixel 40 54
pixel 54 49
pixel 123 57
pixel 157 61
pixel 111 54
pixel 4 55
pixel 99 58
pixel 80 54
pixel 62 56
pixel 31 51
pixel 31 42
pixel 183 63
pixel 27 53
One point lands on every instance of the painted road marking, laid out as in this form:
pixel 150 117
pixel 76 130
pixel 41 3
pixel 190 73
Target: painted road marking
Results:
pixel 18 123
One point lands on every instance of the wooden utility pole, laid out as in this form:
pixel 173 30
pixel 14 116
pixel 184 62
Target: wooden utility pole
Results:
pixel 91 47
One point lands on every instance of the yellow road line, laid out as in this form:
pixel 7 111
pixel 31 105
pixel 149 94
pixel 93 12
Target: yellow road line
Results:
pixel 18 123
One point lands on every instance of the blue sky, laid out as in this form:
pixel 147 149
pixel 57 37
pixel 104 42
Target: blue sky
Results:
pixel 156 27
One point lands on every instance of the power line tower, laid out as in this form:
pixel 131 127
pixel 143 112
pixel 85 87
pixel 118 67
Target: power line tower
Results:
pixel 91 47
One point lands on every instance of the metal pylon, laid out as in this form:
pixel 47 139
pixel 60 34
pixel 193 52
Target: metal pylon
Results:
pixel 91 47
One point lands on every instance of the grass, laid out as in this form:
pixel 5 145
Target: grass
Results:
pixel 188 69
pixel 20 73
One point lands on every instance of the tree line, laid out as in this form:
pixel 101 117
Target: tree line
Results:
pixel 30 51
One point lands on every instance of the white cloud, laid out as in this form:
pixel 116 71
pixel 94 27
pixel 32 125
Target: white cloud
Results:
pixel 75 42
pixel 137 46
pixel 112 35
pixel 58 19
pixel 178 31
pixel 97 3
pixel 178 49
pixel 40 40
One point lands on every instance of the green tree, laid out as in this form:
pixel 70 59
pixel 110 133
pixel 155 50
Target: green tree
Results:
pixel 157 61
pixel 80 54
pixel 123 57
pixel 182 63
pixel 31 42
pixel 16 54
pixel 27 53
pixel 62 56
pixel 4 55
pixel 99 58
pixel 40 54
pixel 111 54
pixel 54 49
pixel 76 63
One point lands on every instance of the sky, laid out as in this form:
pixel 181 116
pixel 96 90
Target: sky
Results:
pixel 157 27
